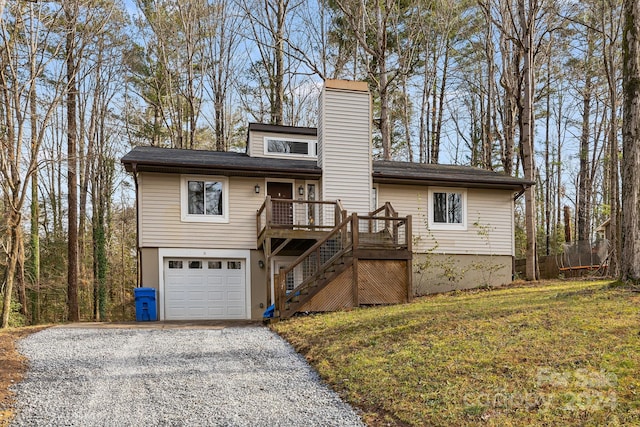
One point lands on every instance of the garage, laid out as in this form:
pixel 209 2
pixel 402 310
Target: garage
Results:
pixel 204 288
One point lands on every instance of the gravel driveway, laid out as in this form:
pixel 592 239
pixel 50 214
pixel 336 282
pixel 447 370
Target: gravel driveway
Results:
pixel 239 376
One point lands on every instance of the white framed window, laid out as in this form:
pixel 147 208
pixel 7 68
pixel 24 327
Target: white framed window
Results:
pixel 447 209
pixel 275 146
pixel 204 198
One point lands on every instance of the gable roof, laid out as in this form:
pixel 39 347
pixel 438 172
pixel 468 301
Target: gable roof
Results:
pixel 172 160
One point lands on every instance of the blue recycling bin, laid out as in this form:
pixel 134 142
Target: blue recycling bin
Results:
pixel 145 304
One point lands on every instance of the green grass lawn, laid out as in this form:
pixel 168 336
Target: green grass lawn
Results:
pixel 557 353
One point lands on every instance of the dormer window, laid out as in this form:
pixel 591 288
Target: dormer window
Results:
pixel 290 147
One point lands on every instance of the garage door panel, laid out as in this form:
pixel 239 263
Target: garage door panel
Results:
pixel 235 281
pixel 215 296
pixel 204 289
pixel 235 313
pixel 197 296
pixel 235 296
pixel 216 313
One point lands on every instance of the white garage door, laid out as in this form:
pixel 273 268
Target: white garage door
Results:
pixel 204 289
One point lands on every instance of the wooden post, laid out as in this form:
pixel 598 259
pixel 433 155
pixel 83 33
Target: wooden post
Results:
pixel 409 240
pixel 258 228
pixel 318 263
pixel 355 291
pixel 278 298
pixel 268 213
pixel 387 213
pixel 267 261
pixel 354 230
pixel 408 231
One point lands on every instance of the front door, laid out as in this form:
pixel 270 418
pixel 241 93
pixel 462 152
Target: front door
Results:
pixel 282 211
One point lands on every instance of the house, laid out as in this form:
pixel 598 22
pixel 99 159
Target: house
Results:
pixel 307 221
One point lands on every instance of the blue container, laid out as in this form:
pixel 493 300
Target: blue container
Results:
pixel 145 304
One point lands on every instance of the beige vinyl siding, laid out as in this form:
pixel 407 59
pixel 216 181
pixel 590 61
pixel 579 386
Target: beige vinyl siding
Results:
pixel 319 130
pixel 160 216
pixel 256 143
pixel 492 210
pixel 345 151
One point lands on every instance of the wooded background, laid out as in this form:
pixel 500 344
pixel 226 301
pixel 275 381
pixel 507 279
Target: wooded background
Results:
pixel 531 88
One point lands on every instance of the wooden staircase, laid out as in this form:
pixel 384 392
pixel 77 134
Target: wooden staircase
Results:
pixel 375 238
pixel 316 284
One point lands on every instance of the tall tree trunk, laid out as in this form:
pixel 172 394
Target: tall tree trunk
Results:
pixel 14 238
pixel 221 139
pixel 583 205
pixel 583 208
pixel 435 154
pixel 278 107
pixel 35 251
pixel 487 134
pixel 72 179
pixel 547 164
pixel 527 23
pixel 35 211
pixel 22 283
pixel 385 130
pixel 424 117
pixel 510 71
pixel 406 118
pixel 630 259
pixel 559 194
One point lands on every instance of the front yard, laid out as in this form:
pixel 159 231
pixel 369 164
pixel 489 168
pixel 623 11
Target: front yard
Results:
pixel 555 353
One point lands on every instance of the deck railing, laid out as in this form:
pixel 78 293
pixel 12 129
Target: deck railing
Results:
pixel 374 231
pixel 384 228
pixel 298 215
pixel 304 271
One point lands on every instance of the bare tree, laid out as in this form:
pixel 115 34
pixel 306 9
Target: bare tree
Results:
pixel 268 30
pixel 611 32
pixel 527 14
pixel 73 307
pixel 25 42
pixel 375 26
pixel 583 208
pixel 223 26
pixel 169 62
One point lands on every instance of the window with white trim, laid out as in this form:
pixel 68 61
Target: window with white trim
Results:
pixel 290 147
pixel 204 199
pixel 448 208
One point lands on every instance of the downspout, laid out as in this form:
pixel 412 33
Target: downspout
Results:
pixel 134 167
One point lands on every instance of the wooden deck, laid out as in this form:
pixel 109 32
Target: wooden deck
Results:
pixel 343 260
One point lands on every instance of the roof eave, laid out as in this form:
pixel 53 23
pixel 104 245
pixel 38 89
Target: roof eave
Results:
pixel 434 181
pixel 142 166
pixel 293 130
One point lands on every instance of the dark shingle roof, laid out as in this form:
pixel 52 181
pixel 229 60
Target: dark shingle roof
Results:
pixel 427 174
pixel 293 130
pixel 172 160
pixel 168 160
